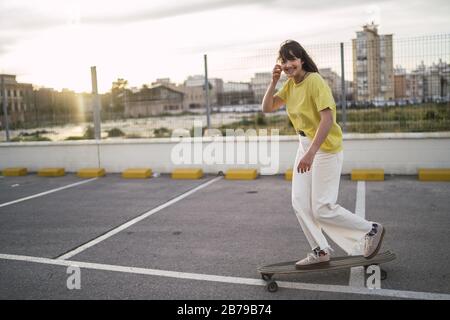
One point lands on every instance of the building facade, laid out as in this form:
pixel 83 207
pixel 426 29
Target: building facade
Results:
pixel 153 100
pixel 260 81
pixel 19 100
pixel 335 83
pixel 236 93
pixel 195 93
pixel 424 83
pixel 373 72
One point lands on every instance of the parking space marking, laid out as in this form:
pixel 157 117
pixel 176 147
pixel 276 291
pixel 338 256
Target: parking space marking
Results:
pixel 134 221
pixel 357 275
pixel 233 280
pixel 46 192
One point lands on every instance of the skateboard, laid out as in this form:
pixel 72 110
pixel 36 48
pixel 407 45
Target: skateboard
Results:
pixel 335 263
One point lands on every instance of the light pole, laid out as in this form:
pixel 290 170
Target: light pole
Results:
pixel 5 107
pixel 207 92
pixel 96 102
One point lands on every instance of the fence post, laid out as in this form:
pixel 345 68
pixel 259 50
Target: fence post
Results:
pixel 96 104
pixel 5 108
pixel 207 92
pixel 343 91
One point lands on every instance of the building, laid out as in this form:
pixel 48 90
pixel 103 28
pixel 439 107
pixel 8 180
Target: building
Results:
pixel 415 83
pixel 400 84
pixel 61 107
pixel 333 80
pixel 45 103
pixel 423 84
pixel 260 82
pixel 44 99
pixel 236 93
pixel 153 100
pixel 437 82
pixel 195 94
pixel 335 83
pixel 373 72
pixel 19 100
pixel 168 83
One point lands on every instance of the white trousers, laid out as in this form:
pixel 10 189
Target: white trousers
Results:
pixel 314 195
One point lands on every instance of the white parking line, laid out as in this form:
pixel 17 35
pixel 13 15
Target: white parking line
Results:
pixel 135 220
pixel 46 192
pixel 357 275
pixel 234 280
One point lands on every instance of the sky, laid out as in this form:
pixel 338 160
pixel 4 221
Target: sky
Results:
pixel 54 43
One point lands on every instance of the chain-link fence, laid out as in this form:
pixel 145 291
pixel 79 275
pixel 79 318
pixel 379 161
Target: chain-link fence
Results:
pixel 389 85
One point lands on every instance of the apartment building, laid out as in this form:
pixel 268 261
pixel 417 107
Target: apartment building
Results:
pixel 424 83
pixel 437 82
pixel 373 72
pixel 19 100
pixel 400 84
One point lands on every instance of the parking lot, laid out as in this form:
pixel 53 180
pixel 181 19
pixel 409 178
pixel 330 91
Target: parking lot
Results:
pixel 161 238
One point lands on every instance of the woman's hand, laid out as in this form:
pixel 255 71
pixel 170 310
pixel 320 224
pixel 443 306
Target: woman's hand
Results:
pixel 326 121
pixel 305 163
pixel 276 73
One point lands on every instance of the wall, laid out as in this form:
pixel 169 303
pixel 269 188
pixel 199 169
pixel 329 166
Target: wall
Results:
pixel 396 153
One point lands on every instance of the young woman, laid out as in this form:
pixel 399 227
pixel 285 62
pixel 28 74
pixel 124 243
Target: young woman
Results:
pixel 318 164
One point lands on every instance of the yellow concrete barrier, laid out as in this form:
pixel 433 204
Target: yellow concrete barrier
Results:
pixel 187 173
pixel 51 172
pixel 434 174
pixel 137 173
pixel 91 172
pixel 14 172
pixel 241 174
pixel 368 174
pixel 288 174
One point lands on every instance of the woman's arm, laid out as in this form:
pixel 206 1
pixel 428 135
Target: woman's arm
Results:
pixel 270 102
pixel 326 121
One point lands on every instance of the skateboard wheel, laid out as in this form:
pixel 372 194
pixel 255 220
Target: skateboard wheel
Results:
pixel 266 276
pixel 272 286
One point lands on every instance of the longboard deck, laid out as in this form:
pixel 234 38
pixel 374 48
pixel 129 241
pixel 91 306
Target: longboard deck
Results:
pixel 334 264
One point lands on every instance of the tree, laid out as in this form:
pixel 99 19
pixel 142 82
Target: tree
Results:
pixel 118 94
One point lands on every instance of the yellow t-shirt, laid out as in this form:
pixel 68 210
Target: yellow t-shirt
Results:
pixel 304 101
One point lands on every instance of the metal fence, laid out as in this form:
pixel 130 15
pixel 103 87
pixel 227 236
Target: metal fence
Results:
pixel 380 84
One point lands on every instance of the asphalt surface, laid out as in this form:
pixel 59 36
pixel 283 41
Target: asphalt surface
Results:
pixel 227 228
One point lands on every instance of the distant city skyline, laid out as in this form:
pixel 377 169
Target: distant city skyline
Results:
pixel 53 44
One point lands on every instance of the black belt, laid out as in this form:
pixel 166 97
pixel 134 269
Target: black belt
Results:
pixel 301 133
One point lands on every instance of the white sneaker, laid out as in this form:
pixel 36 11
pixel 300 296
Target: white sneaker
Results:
pixel 373 242
pixel 313 258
